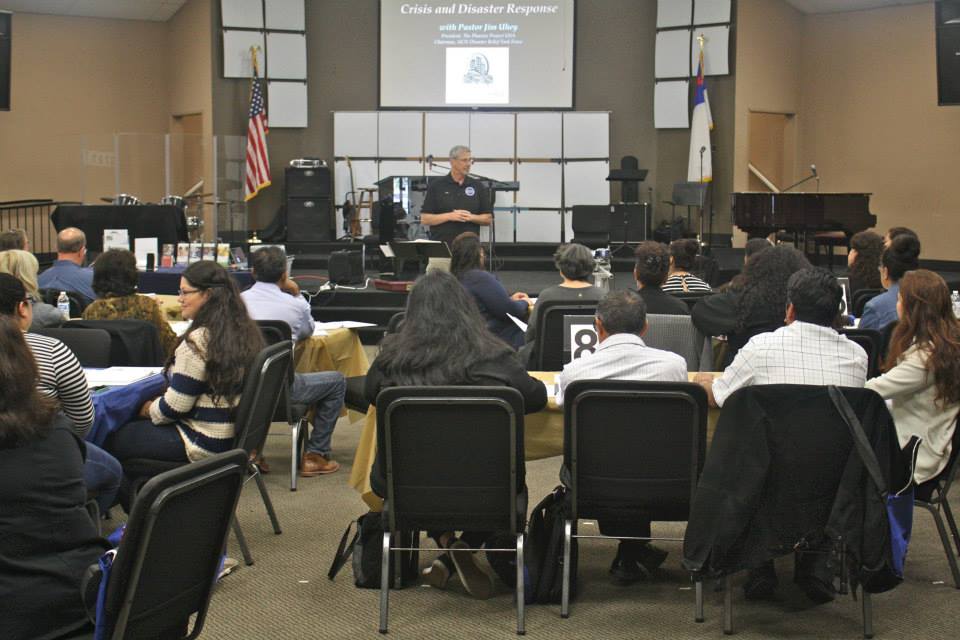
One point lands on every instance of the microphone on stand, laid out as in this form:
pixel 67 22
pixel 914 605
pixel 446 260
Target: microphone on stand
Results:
pixel 430 161
pixel 813 170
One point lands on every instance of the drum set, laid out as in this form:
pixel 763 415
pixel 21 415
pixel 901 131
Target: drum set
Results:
pixel 191 203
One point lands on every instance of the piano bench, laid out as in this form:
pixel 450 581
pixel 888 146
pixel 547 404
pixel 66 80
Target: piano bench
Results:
pixel 829 239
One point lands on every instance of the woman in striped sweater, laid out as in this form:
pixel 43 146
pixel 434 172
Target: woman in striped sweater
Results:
pixel 195 417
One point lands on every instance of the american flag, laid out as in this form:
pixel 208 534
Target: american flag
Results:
pixel 258 164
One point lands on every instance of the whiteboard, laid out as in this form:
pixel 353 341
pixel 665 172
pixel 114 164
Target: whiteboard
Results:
pixel 242 13
pixel 491 135
pixel 443 131
pixel 355 133
pixel 586 135
pixel 288 104
pixel 672 53
pixel 399 168
pixel 715 51
pixel 539 184
pixel 364 175
pixel 285 14
pixel 538 226
pixel 497 171
pixel 288 56
pixel 711 11
pixel 400 134
pixel 237 62
pixel 539 135
pixel 504 226
pixel 673 13
pixel 586 183
pixel 670 104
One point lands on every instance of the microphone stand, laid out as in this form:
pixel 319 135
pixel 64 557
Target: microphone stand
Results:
pixel 807 179
pixel 492 244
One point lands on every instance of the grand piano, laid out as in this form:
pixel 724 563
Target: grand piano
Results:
pixel 763 213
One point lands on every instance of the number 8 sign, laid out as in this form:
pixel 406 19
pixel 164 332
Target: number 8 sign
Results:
pixel 579 337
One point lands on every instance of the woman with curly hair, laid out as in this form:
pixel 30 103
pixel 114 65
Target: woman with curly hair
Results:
pixel 195 417
pixel 115 283
pixel 863 259
pixel 922 371
pixel 650 271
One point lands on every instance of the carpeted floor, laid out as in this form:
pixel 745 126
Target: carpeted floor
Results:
pixel 286 593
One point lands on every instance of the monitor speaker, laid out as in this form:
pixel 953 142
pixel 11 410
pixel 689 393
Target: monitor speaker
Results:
pixel 346 267
pixel 6 26
pixel 311 182
pixel 948 52
pixel 309 220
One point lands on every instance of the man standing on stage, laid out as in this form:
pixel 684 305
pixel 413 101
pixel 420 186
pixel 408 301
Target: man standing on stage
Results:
pixel 456 202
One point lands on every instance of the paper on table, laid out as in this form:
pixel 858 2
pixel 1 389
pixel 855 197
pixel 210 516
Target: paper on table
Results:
pixel 118 376
pixel 387 251
pixel 340 324
pixel 517 321
pixel 143 246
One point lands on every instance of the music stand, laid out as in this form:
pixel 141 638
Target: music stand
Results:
pixel 629 177
pixel 415 250
pixel 689 195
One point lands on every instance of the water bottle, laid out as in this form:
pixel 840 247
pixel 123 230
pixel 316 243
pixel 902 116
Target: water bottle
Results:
pixel 602 271
pixel 955 299
pixel 63 305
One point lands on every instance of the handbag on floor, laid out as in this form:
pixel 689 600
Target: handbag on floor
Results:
pixel 366 549
pixel 544 553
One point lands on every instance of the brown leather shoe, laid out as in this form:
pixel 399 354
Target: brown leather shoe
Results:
pixel 314 464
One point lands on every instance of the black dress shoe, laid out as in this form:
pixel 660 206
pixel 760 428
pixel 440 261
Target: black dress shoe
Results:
pixel 627 572
pixel 761 582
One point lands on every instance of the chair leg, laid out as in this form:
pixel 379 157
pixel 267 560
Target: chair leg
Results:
pixel 262 486
pixel 698 601
pixel 384 580
pixel 727 606
pixel 242 541
pixel 948 512
pixel 294 454
pixel 565 592
pixel 521 589
pixel 867 614
pixel 947 547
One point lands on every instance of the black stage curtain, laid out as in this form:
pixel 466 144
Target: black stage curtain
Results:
pixel 166 223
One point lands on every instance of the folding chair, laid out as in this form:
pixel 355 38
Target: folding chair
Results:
pixel 476 484
pixel 937 503
pixel 872 342
pixel 632 449
pixel 861 298
pixel 548 349
pixel 677 334
pixel 91 346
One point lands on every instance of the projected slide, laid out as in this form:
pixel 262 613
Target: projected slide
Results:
pixel 493 54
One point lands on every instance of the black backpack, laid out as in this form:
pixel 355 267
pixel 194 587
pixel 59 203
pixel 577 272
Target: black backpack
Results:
pixel 366 547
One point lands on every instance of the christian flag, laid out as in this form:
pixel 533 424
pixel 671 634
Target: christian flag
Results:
pixel 258 164
pixel 700 125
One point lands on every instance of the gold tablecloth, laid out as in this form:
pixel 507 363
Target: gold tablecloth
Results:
pixel 170 306
pixel 542 438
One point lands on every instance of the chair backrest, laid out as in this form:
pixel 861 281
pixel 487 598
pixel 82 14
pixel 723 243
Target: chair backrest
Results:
pixel 861 298
pixel 453 457
pixel 548 350
pixel 691 298
pixel 134 343
pixel 274 331
pixel 945 478
pixel 395 321
pixel 167 562
pixel 261 394
pixel 707 269
pixel 91 346
pixel 78 302
pixel 872 342
pixel 633 445
pixel 677 334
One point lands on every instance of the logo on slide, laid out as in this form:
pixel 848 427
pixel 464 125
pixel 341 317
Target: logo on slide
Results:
pixel 469 191
pixel 479 71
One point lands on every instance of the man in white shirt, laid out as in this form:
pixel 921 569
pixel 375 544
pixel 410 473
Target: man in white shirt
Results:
pixel 621 320
pixel 274 296
pixel 808 350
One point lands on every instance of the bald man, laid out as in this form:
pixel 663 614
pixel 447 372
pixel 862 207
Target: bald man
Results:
pixel 68 272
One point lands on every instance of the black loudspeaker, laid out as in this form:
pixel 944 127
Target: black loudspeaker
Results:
pixel 345 267
pixel 6 25
pixel 309 220
pixel 313 182
pixel 948 51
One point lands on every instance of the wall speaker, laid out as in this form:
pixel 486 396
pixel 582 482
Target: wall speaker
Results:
pixel 309 220
pixel 6 26
pixel 948 52
pixel 311 182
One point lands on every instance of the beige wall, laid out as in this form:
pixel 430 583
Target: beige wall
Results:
pixel 870 119
pixel 73 77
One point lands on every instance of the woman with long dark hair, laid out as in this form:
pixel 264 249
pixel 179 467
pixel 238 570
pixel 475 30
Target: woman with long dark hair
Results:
pixel 863 259
pixel 195 418
pixel 443 340
pixel 468 264
pixel 922 370
pixel 47 538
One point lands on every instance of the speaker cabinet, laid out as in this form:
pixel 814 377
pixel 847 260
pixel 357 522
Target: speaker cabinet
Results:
pixel 948 52
pixel 6 26
pixel 309 220
pixel 308 183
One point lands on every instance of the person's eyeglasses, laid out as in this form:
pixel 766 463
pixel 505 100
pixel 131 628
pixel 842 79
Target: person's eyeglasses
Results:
pixel 186 292
pixel 467 160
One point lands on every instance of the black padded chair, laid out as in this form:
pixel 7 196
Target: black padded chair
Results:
pixel 932 496
pixel 548 351
pixel 476 485
pixel 631 448
pixel 133 343
pixel 166 565
pixel 707 268
pixel 91 346
pixel 872 342
pixel 261 393
pixel 78 302
pixel 691 298
pixel 354 399
pixel 861 298
pixel 295 415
